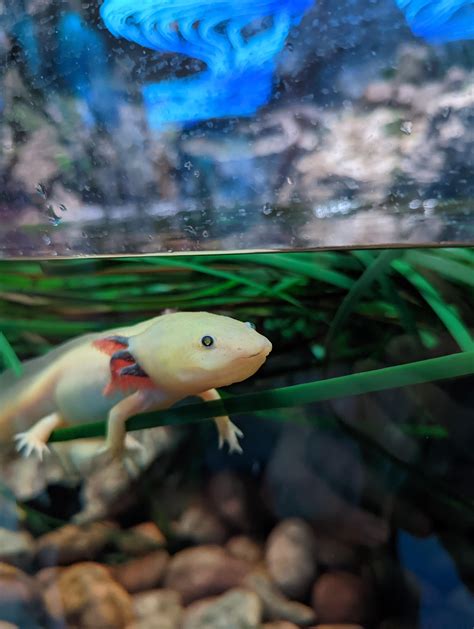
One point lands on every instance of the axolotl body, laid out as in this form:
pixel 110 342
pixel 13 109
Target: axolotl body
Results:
pixel 126 371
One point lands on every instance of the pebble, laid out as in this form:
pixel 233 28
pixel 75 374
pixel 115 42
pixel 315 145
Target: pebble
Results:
pixel 379 93
pixel 275 605
pixel 204 571
pixel 236 609
pixel 86 596
pixel 162 604
pixel 290 557
pixel 199 525
pixel 245 548
pixel 230 498
pixel 141 539
pixel 342 597
pixel 142 573
pixel 72 543
pixel 279 624
pixel 20 598
pixel 16 548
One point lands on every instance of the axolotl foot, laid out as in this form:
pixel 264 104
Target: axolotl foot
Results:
pixel 229 433
pixel 28 443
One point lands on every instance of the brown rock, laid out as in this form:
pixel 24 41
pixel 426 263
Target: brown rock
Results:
pixel 47 576
pixel 16 548
pixel 158 609
pixel 275 605
pixel 72 543
pixel 245 548
pixel 290 557
pixel 233 610
pixel 141 539
pixel 143 573
pixel 230 498
pixel 7 625
pixel 342 597
pixel 86 596
pixel 279 624
pixel 20 597
pixel 200 525
pixel 204 571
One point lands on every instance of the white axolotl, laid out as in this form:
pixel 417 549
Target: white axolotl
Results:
pixel 126 371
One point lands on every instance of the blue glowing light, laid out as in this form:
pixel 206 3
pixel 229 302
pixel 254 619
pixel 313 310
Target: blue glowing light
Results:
pixel 440 21
pixel 237 40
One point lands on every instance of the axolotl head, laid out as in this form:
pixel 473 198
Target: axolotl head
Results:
pixel 190 352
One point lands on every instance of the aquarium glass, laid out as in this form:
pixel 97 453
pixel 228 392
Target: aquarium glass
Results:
pixel 236 314
pixel 166 126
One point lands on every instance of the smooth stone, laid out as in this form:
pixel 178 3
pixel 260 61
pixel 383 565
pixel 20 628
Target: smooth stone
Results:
pixel 20 598
pixel 140 540
pixel 86 596
pixel 198 524
pixel 72 543
pixel 204 571
pixel 245 548
pixel 236 609
pixel 16 548
pixel 275 605
pixel 290 557
pixel 342 597
pixel 158 609
pixel 142 573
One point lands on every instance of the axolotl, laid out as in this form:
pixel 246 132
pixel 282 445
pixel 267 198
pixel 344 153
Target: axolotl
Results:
pixel 126 371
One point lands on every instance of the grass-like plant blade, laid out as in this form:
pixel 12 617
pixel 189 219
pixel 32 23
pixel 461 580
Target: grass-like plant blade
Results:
pixel 451 366
pixel 446 313
pixel 10 359
pixel 374 272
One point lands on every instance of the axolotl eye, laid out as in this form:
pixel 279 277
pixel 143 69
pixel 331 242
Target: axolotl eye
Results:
pixel 207 341
pixel 251 325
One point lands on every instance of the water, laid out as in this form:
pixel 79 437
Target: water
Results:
pixel 348 508
pixel 291 165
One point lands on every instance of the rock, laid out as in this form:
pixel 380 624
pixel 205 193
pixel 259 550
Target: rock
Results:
pixel 157 609
pixel 20 598
pixel 275 605
pixel 204 571
pixel 143 573
pixel 279 624
pixel 200 525
pixel 7 625
pixel 342 597
pixel 72 543
pixel 245 548
pixel 230 498
pixel 86 596
pixel 16 548
pixel 141 539
pixel 237 609
pixel 290 557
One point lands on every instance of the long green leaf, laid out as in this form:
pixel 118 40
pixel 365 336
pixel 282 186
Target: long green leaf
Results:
pixel 451 366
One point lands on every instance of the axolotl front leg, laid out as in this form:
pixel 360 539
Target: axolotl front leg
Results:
pixel 153 400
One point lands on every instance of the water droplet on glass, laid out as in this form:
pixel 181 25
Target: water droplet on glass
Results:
pixel 188 165
pixel 205 234
pixel 46 239
pixel 406 127
pixel 289 181
pixel 242 211
pixel 415 204
pixel 197 174
pixel 62 207
pixel 267 209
